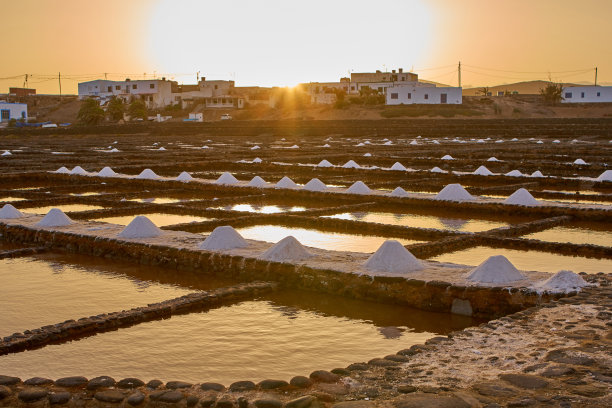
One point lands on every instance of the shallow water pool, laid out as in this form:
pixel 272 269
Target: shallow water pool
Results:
pixel 574 235
pixel 63 207
pixel 161 220
pixel 260 209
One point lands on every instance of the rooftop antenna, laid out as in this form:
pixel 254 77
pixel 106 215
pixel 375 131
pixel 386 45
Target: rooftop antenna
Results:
pixel 595 76
pixel 25 81
pixel 459 74
pixel 198 76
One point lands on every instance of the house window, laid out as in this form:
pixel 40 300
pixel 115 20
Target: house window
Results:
pixel 352 88
pixel 5 114
pixel 216 87
pixel 568 95
pixel 23 115
pixel 135 86
pixel 598 94
pixel 110 89
pixel 393 96
pixel 426 96
pixel 409 95
pixel 117 87
pixel 582 94
pixel 152 86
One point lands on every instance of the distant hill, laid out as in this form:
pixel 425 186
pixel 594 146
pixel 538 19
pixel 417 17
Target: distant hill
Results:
pixel 523 88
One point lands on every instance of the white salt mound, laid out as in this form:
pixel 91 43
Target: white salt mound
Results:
pixel 496 269
pixel 483 171
pixel 359 187
pixel 367 155
pixel 315 185
pixel 537 173
pixel 350 165
pixel 324 163
pixel 414 143
pixel 294 147
pixel 184 177
pixel 162 148
pixel 398 166
pixel 521 197
pixel 255 147
pixel 399 192
pixel 285 182
pixel 564 282
pixel 10 212
pixel 147 174
pixel 437 170
pixel 605 176
pixel 257 182
pixel 6 153
pixel 393 257
pixel 493 159
pixel 580 161
pixel 287 249
pixel 140 227
pixel 114 150
pixel 62 170
pixel 205 147
pixel 388 143
pixel 224 237
pixel 556 141
pixel 360 145
pixel 326 145
pixel 257 160
pixel 107 172
pixel 447 157
pixel 454 192
pixel 227 179
pixel 54 218
pixel 78 170
pixel 513 173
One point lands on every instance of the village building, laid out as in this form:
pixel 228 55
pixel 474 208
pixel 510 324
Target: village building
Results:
pixel 10 111
pixel 407 94
pixel 587 94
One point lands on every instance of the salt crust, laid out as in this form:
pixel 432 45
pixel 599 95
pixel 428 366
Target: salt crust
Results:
pixel 399 192
pixel 562 282
pixel 483 171
pixel 359 187
pixel 287 249
pixel 398 166
pixel 285 182
pixel 257 182
pixel 9 212
pixel 107 172
pixel 140 227
pixel 224 237
pixel 521 197
pixel 496 269
pixel 78 170
pixel 147 174
pixel 54 218
pixel 605 176
pixel 62 170
pixel 392 257
pixel 351 164
pixel 324 163
pixel 227 179
pixel 315 185
pixel 447 157
pixel 184 177
pixel 454 192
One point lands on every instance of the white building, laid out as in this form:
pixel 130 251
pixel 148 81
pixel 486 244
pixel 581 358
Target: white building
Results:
pixel 587 94
pixel 10 111
pixel 156 93
pixel 415 93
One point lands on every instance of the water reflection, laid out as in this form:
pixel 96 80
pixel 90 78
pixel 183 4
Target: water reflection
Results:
pixel 161 220
pixel 63 207
pixel 574 235
pixel 156 200
pixel 261 209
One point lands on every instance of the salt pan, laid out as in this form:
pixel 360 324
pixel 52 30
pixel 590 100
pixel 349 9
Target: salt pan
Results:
pixel 351 165
pixel 107 172
pixel 454 192
pixel 315 185
pixel 393 257
pixel 287 249
pixel 184 177
pixel 257 182
pixel 140 227
pixel 285 182
pixel 224 237
pixel 496 269
pixel 10 212
pixel 147 174
pixel 54 218
pixel 483 171
pixel 398 166
pixel 562 282
pixel 399 192
pixel 226 179
pixel 521 197
pixel 324 163
pixel 359 187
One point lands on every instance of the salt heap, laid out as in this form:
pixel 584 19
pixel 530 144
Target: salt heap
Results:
pixel 285 182
pixel 9 212
pixel 556 141
pixel 350 165
pixel 224 237
pixel 447 157
pixel 414 143
pixel 114 150
pixel 147 174
pixel 54 218
pixel 6 153
pixel 537 173
pixel 205 147
pixel 388 143
pixel 326 145
pixel 62 170
pixel 513 173
pixel 162 148
pixel 227 179
pixel 393 257
pixel 324 163
pixel 184 177
pixel 521 197
pixel 360 145
pixel 399 192
pixel 294 147
pixel 367 155
pixel 287 249
pixel 605 176
pixel 493 159
pixel 564 282
pixel 437 170
pixel 454 192
pixel 359 187
pixel 496 269
pixel 483 171
pixel 398 166
pixel 315 185
pixel 257 160
pixel 140 227
pixel 78 170
pixel 255 147
pixel 107 172
pixel 257 182
pixel 580 162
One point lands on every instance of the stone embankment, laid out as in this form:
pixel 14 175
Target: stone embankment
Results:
pixel 558 354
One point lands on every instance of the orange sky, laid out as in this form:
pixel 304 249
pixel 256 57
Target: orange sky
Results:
pixel 284 42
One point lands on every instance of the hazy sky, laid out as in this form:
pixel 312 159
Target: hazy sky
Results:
pixel 285 42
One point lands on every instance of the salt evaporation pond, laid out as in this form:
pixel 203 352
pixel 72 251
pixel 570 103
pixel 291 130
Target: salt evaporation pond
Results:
pixel 528 260
pixel 263 209
pixel 11 199
pixel 421 221
pixel 254 340
pixel 574 235
pixel 318 239
pixel 63 207
pixel 161 220
pixel 156 200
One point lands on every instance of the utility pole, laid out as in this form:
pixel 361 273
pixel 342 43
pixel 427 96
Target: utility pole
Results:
pixel 459 71
pixel 25 81
pixel 595 76
pixel 105 76
pixel 59 79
